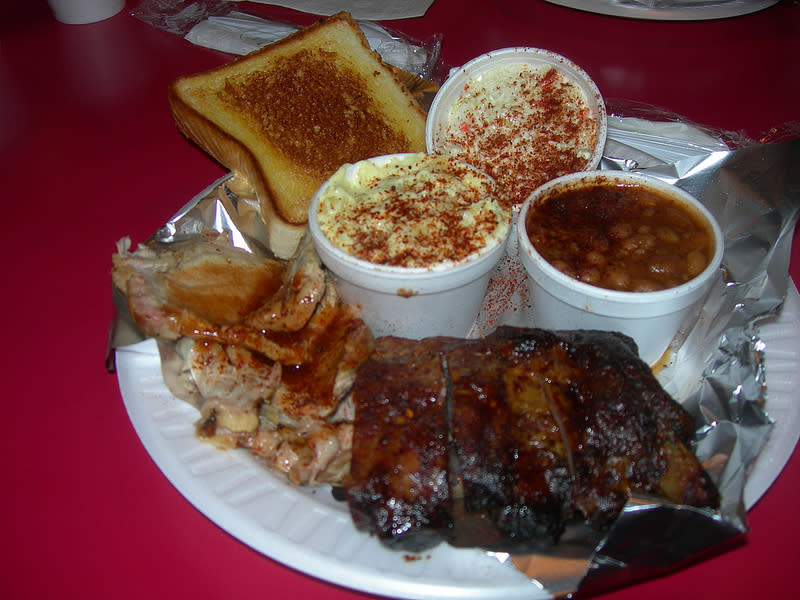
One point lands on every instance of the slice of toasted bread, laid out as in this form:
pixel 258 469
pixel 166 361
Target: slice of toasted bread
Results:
pixel 287 116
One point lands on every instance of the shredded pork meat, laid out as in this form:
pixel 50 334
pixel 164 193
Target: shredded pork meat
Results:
pixel 265 350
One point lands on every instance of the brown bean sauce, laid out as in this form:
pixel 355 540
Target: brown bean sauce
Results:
pixel 620 236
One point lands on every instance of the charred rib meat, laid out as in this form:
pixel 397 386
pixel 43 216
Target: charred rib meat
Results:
pixel 498 442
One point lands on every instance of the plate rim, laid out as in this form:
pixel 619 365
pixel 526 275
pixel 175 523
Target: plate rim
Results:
pixel 612 8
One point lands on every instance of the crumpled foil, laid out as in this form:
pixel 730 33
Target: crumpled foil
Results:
pixel 754 193
pixel 715 366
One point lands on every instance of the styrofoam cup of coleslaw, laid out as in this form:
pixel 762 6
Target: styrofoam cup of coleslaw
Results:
pixel 441 299
pixel 524 115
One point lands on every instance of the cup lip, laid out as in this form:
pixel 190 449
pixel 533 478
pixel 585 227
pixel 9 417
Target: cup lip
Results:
pixel 548 271
pixel 516 55
pixel 84 15
pixel 396 272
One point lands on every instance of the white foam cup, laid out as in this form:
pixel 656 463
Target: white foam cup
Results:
pixel 411 302
pixel 79 12
pixel 652 319
pixel 453 88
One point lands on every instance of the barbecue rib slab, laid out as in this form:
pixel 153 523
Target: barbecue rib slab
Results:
pixel 402 446
pixel 531 428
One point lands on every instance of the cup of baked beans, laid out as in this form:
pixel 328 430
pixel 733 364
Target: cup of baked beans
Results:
pixel 618 251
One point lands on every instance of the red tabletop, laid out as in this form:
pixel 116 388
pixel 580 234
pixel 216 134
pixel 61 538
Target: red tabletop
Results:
pixel 89 154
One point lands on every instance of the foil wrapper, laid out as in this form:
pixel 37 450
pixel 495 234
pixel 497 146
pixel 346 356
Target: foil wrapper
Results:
pixel 716 364
pixel 715 367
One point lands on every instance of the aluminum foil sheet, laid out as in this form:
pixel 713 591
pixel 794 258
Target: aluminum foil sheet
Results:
pixel 715 366
pixel 718 368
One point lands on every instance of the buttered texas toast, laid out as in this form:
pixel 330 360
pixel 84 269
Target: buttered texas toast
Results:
pixel 287 116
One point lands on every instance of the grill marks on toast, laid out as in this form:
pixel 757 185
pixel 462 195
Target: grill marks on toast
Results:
pixel 533 428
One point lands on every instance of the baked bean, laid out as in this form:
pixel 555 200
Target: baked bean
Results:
pixel 622 237
pixel 596 258
pixel 617 278
pixel 667 265
pixel 600 245
pixel 563 267
pixel 641 242
pixel 645 285
pixel 620 231
pixel 677 216
pixel 665 234
pixel 695 241
pixel 696 263
pixel 592 276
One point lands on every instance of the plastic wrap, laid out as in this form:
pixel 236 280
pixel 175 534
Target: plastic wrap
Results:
pixel 221 26
pixel 179 16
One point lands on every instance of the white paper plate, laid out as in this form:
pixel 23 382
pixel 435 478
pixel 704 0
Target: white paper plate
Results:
pixel 682 11
pixel 308 530
pixel 782 355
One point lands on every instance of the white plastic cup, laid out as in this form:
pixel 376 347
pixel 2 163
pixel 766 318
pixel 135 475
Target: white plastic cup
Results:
pixel 410 302
pixel 652 319
pixel 453 88
pixel 79 12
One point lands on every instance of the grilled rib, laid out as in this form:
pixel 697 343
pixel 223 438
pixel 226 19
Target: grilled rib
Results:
pixel 537 428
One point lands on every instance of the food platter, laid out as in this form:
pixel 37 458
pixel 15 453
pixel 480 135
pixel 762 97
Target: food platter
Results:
pixel 668 11
pixel 307 529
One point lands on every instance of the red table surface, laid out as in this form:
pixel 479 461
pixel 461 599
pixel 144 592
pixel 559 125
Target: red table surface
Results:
pixel 89 154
